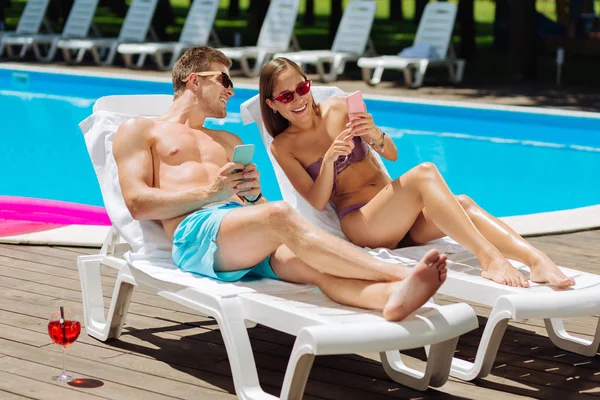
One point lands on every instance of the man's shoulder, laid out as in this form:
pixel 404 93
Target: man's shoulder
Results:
pixel 133 133
pixel 135 125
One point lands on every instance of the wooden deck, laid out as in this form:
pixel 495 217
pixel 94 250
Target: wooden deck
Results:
pixel 168 352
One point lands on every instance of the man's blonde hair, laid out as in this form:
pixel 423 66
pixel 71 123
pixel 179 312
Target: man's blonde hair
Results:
pixel 196 59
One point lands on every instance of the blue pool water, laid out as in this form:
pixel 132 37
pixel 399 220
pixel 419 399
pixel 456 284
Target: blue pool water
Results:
pixel 511 163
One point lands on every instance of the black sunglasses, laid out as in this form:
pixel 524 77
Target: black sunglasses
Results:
pixel 224 79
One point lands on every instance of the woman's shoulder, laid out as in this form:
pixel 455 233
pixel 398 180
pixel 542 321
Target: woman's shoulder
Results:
pixel 335 103
pixel 334 108
pixel 281 141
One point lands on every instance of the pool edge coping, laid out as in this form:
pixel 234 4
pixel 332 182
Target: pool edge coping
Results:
pixel 548 223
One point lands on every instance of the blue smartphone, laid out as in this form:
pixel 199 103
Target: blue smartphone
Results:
pixel 242 154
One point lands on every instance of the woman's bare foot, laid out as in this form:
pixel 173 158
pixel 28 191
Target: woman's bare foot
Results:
pixel 543 270
pixel 501 271
pixel 411 293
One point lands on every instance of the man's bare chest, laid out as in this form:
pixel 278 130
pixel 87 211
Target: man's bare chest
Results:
pixel 176 149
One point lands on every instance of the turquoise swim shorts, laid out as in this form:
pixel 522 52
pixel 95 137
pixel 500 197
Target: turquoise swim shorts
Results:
pixel 195 244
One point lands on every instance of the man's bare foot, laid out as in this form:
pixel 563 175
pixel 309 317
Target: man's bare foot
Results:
pixel 411 293
pixel 543 270
pixel 501 271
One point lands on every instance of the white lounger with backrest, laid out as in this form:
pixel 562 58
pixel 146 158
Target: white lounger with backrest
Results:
pixel 197 31
pixel 351 42
pixel 276 34
pixel 322 327
pixel 433 34
pixel 136 28
pixel 30 23
pixel 464 276
pixel 77 26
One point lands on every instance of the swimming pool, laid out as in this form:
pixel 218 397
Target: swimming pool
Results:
pixel 511 163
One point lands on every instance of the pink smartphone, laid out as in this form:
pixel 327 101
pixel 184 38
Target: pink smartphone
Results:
pixel 355 103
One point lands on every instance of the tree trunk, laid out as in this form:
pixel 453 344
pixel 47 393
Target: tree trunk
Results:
pixel 234 9
pixel 522 50
pixel 396 11
pixel 309 14
pixel 466 19
pixel 419 8
pixel 334 18
pixel 501 25
pixel 257 12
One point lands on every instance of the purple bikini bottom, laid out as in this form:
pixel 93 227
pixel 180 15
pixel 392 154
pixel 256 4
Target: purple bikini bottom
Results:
pixel 346 210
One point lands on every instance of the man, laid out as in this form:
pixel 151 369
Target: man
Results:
pixel 175 170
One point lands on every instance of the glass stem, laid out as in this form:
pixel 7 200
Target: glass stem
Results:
pixel 64 350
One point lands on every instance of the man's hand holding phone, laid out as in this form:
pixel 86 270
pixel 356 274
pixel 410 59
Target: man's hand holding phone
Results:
pixel 249 188
pixel 228 178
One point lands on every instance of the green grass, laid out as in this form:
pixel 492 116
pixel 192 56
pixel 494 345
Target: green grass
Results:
pixel 389 37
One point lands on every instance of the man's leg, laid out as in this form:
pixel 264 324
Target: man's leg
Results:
pixel 396 299
pixel 248 235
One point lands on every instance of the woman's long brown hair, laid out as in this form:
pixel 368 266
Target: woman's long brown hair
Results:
pixel 274 122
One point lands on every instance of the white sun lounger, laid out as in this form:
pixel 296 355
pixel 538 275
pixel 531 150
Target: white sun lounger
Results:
pixel 464 276
pixel 276 34
pixel 77 26
pixel 30 23
pixel 434 35
pixel 321 326
pixel 197 31
pixel 135 28
pixel 350 43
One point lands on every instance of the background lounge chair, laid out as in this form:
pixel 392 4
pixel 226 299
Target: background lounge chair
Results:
pixel 322 327
pixel 197 31
pixel 30 23
pixel 135 28
pixel 276 34
pixel 77 26
pixel 464 279
pixel 433 40
pixel 350 43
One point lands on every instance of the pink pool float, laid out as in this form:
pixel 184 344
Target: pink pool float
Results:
pixel 20 215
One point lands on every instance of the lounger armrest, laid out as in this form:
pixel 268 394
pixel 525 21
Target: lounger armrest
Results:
pixel 425 328
pixel 571 303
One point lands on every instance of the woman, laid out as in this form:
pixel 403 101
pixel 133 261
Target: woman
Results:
pixel 327 158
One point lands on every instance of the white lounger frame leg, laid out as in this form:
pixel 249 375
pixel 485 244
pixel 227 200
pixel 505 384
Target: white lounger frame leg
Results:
pixel 523 307
pixel 97 325
pixel 564 340
pixel 229 314
pixel 439 358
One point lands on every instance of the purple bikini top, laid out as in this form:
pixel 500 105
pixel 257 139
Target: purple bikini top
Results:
pixel 360 151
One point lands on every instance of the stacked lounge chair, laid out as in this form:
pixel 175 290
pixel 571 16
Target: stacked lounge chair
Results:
pixel 135 28
pixel 351 42
pixel 30 23
pixel 77 26
pixel 197 31
pixel 432 47
pixel 276 35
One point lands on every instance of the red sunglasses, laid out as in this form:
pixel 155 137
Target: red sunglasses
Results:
pixel 301 89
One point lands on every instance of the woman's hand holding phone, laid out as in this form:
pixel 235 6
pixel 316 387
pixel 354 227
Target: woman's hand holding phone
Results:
pixel 361 123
